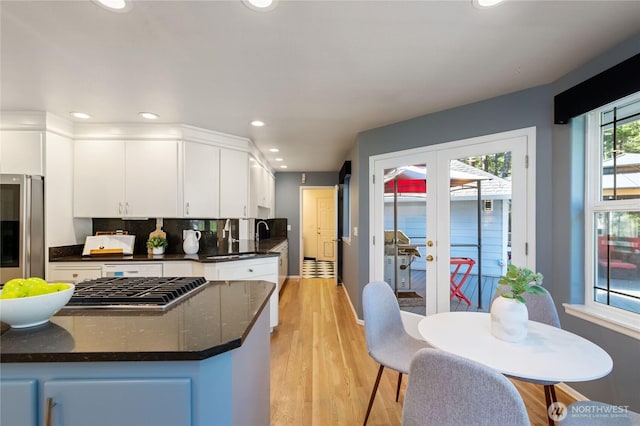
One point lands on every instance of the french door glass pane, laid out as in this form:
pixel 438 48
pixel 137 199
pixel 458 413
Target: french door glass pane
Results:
pixel 405 219
pixel 480 228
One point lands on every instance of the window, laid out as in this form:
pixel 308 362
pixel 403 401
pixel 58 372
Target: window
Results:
pixel 612 208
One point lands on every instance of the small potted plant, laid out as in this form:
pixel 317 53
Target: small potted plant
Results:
pixel 157 244
pixel 509 313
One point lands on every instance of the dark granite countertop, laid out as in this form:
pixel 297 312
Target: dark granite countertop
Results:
pixel 236 251
pixel 212 321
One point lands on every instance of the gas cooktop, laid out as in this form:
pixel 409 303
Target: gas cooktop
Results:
pixel 134 292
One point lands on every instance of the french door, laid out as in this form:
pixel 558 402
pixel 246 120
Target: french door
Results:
pixel 447 219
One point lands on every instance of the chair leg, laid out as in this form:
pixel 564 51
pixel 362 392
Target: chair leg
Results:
pixel 399 383
pixel 550 398
pixel 373 394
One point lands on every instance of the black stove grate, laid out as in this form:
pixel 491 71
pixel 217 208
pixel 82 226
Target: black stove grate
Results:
pixel 133 292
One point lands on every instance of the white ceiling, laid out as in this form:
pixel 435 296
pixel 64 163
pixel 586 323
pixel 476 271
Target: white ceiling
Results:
pixel 317 72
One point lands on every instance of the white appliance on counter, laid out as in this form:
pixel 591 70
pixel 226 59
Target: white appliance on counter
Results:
pixel 130 269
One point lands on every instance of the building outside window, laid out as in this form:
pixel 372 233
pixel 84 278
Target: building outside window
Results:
pixel 612 214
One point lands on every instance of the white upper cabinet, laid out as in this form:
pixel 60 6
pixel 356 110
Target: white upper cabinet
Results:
pixel 201 187
pixel 126 178
pixel 99 179
pixel 151 178
pixel 234 184
pixel 21 152
pixel 261 191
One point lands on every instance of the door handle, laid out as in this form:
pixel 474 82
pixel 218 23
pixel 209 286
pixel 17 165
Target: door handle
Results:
pixel 429 258
pixel 49 411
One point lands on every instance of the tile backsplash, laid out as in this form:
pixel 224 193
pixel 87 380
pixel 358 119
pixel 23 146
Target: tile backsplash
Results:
pixel 211 230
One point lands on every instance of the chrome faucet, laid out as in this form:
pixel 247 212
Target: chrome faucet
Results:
pixel 258 228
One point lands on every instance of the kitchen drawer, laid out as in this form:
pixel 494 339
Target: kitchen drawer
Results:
pixel 248 270
pixel 74 273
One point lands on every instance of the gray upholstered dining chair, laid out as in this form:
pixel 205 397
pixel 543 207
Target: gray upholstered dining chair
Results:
pixel 593 413
pixel 388 343
pixel 446 389
pixel 542 309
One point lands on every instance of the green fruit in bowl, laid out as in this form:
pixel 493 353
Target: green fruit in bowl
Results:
pixel 15 286
pixel 33 286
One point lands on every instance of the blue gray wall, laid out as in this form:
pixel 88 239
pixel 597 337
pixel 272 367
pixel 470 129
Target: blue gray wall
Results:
pixel 288 186
pixel 532 107
pixel 622 386
pixel 559 183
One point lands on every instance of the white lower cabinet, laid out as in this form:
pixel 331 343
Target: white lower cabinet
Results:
pixel 283 262
pixel 258 269
pixel 74 271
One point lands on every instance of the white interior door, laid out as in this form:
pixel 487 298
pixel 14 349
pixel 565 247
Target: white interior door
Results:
pixel 326 222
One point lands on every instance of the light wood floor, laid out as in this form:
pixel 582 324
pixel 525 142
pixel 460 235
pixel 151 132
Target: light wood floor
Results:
pixel 321 373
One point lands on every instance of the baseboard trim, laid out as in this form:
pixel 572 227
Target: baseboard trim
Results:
pixel 355 315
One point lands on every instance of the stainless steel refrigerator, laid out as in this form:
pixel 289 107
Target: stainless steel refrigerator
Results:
pixel 21 227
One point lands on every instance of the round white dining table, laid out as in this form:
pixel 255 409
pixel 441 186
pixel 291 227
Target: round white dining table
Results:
pixel 547 353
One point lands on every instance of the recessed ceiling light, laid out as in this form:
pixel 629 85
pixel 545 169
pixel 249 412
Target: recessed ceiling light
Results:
pixel 115 5
pixel 274 150
pixel 279 159
pixel 82 115
pixel 261 5
pixel 284 166
pixel 149 115
pixel 257 123
pixel 483 4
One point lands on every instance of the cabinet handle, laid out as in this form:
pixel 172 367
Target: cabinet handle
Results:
pixel 74 275
pixel 49 411
pixel 250 270
pixel 126 208
pixel 120 209
pixel 187 208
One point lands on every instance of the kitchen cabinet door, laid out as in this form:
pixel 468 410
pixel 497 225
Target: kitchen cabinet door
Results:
pixel 140 402
pixel 151 172
pixel 21 152
pixel 18 405
pixel 99 178
pixel 259 191
pixel 125 178
pixel 271 195
pixel 234 183
pixel 201 187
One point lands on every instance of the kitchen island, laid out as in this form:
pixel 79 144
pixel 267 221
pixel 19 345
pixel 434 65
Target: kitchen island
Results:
pixel 204 361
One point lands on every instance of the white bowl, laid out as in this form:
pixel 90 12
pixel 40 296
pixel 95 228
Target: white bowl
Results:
pixel 30 311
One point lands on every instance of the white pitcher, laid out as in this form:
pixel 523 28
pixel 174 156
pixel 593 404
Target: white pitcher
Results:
pixel 190 245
